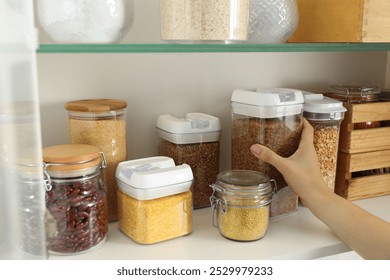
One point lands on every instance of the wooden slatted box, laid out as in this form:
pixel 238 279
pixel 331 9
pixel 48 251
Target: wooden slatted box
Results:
pixel 363 165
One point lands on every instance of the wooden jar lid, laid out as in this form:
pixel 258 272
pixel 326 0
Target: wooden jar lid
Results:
pixel 96 105
pixel 71 157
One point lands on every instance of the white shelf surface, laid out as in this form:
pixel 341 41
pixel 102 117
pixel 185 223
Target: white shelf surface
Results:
pixel 298 236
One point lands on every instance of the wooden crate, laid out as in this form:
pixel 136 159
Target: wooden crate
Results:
pixel 363 152
pixel 343 21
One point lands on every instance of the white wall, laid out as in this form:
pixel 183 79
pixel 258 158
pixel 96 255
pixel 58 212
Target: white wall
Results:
pixel 155 84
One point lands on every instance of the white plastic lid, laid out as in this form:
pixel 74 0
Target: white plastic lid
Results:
pixel 317 103
pixel 153 177
pixel 267 103
pixel 193 128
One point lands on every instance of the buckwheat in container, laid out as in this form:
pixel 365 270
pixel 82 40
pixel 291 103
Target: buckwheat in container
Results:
pixel 325 115
pixel 194 140
pixel 240 204
pixel 271 117
pixel 75 198
pixel 207 20
pixel 101 123
pixel 154 199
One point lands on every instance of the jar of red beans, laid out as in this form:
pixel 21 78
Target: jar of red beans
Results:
pixel 75 198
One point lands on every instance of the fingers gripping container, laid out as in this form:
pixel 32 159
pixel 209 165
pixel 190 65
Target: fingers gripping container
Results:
pixel 154 199
pixel 325 115
pixel 271 117
pixel 240 204
pixel 194 140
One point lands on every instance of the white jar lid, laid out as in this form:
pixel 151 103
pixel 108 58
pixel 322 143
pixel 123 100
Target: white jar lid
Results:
pixel 267 103
pixel 153 177
pixel 320 107
pixel 193 128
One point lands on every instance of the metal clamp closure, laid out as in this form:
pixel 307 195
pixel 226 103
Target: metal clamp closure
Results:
pixel 275 188
pixel 47 178
pixel 217 204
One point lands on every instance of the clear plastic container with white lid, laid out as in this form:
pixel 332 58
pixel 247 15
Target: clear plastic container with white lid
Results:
pixel 194 140
pixel 154 199
pixel 325 115
pixel 271 117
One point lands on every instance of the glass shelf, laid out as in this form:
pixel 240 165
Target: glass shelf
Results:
pixel 211 48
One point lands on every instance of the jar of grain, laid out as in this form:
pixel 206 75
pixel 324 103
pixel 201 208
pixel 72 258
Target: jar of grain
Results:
pixel 154 199
pixel 75 198
pixel 356 94
pixel 194 140
pixel 325 115
pixel 240 203
pixel 271 117
pixel 101 123
pixel 208 20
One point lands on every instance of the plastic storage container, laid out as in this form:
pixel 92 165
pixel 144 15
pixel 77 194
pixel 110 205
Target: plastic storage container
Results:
pixel 101 123
pixel 356 94
pixel 154 199
pixel 194 140
pixel 208 20
pixel 325 115
pixel 73 21
pixel 75 198
pixel 240 204
pixel 271 117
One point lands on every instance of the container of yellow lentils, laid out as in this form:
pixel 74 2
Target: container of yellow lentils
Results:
pixel 240 204
pixel 154 199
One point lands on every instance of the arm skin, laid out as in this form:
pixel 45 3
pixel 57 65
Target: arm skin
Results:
pixel 365 233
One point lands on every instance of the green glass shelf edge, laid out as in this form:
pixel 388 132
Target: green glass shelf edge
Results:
pixel 211 48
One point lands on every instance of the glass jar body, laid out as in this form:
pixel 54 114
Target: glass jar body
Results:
pixel 210 21
pixel 78 210
pixel 240 203
pixel 106 131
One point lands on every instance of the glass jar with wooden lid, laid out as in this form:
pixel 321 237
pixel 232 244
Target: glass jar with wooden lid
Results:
pixel 102 123
pixel 75 198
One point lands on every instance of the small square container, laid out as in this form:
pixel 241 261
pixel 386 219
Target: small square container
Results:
pixel 271 117
pixel 154 199
pixel 194 140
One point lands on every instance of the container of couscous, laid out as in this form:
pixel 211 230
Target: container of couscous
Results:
pixel 240 204
pixel 101 123
pixel 223 21
pixel 154 199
